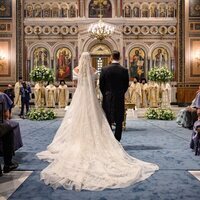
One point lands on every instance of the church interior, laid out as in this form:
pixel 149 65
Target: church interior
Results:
pixel 149 34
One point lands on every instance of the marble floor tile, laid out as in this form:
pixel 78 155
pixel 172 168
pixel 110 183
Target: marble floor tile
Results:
pixel 11 181
pixel 196 174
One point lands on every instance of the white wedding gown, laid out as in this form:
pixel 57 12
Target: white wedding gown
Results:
pixel 84 153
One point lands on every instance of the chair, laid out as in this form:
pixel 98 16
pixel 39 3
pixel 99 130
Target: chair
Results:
pixel 127 106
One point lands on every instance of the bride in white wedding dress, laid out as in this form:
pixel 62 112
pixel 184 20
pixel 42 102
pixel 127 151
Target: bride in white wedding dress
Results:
pixel 84 154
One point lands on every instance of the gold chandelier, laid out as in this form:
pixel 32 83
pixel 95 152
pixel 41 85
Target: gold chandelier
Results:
pixel 100 30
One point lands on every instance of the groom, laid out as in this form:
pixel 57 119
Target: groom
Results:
pixel 114 81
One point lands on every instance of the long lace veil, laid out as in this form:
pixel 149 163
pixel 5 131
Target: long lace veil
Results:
pixel 84 109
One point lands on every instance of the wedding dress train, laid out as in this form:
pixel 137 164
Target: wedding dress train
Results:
pixel 84 155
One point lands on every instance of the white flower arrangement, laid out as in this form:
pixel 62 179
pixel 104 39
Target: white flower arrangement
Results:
pixel 160 113
pixel 160 74
pixel 42 73
pixel 41 114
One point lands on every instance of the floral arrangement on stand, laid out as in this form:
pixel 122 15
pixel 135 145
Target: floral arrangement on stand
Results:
pixel 41 114
pixel 42 73
pixel 160 74
pixel 160 113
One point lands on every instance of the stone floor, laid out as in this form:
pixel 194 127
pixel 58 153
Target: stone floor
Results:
pixel 156 141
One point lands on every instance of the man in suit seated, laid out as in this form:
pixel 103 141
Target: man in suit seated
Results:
pixel 7 136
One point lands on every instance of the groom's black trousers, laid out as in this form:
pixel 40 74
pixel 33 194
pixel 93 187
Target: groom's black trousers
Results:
pixel 113 105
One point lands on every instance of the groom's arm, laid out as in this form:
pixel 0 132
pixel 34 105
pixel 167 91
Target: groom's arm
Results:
pixel 102 82
pixel 126 80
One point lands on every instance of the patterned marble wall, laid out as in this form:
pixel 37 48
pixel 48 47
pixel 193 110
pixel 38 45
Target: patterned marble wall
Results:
pixel 7 41
pixel 189 65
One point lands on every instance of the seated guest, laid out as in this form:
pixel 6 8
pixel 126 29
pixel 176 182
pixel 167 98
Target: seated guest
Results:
pixel 187 116
pixel 10 92
pixel 6 134
pixel 195 140
pixel 17 143
pixel 6 101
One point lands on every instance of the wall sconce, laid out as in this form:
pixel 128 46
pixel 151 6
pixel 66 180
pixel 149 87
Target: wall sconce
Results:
pixel 2 55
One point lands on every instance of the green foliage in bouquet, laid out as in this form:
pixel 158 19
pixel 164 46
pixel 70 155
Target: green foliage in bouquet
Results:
pixel 41 114
pixel 160 113
pixel 160 74
pixel 42 73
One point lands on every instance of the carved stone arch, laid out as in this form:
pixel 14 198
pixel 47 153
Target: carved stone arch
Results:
pixel 64 5
pixel 98 48
pixel 91 42
pixel 37 4
pixel 57 46
pixel 64 8
pixel 73 4
pixel 46 4
pixel 127 4
pixel 136 9
pixel 146 13
pixel 167 46
pixel 154 13
pixel 129 14
pixel 31 50
pixel 37 10
pixel 29 9
pixel 153 3
pixel 162 4
pixel 144 46
pixel 47 7
pixel 29 4
pixel 171 5
pixel 136 4
pixel 33 46
pixel 112 3
pixel 56 4
pixel 145 4
pixel 143 49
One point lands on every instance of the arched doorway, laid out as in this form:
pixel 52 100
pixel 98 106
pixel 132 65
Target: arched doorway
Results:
pixel 100 54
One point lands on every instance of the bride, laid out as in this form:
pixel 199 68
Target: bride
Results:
pixel 84 154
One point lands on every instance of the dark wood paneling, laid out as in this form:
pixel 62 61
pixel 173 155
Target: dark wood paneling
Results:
pixel 186 95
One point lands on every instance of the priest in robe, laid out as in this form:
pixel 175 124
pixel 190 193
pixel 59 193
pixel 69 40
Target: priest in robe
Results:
pixel 135 93
pixel 18 85
pixel 39 92
pixel 153 94
pixel 50 94
pixel 165 95
pixel 63 94
pixel 144 91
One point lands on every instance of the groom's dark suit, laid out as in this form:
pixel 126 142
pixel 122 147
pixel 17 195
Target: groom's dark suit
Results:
pixel 114 81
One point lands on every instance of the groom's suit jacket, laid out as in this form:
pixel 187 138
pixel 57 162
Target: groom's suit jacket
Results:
pixel 114 81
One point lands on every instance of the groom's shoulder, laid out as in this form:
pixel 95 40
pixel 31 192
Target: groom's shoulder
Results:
pixel 123 68
pixel 105 68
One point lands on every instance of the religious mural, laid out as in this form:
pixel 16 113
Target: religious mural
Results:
pixel 29 11
pixel 160 57
pixel 94 9
pixel 195 57
pixel 194 8
pixel 64 64
pixel 136 60
pixel 5 8
pixel 41 57
pixel 37 10
pixel 4 58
